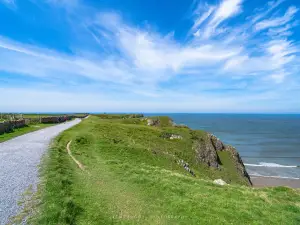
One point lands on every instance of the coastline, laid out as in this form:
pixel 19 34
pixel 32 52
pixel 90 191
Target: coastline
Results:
pixel 261 181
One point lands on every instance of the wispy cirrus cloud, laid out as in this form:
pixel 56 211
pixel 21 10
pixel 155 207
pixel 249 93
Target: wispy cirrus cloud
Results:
pixel 277 21
pixel 219 60
pixel 265 11
pixel 42 62
pixel 150 51
pixel 215 16
pixel 264 56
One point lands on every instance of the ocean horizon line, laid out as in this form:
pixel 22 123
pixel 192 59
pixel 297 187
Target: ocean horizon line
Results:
pixel 156 113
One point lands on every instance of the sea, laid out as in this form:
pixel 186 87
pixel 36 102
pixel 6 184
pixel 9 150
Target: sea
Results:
pixel 269 144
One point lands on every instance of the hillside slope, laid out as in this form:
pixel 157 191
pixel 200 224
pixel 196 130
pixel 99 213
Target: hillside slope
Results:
pixel 136 172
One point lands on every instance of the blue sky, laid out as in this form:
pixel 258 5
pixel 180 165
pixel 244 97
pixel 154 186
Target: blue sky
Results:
pixel 150 56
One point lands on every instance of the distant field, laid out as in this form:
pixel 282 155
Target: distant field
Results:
pixel 132 177
pixel 16 116
pixel 7 116
pixel 46 115
pixel 40 115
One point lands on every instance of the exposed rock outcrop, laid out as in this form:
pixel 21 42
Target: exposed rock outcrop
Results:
pixel 167 135
pixel 217 143
pixel 186 166
pixel 152 122
pixel 159 121
pixel 175 136
pixel 205 152
pixel 179 125
pixel 219 182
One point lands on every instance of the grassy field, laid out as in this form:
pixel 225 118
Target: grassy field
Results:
pixel 21 131
pixel 35 115
pixel 16 116
pixel 132 176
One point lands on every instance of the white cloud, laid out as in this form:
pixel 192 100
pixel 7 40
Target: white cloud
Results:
pixel 281 31
pixel 132 67
pixel 278 21
pixel 271 5
pixel 226 9
pixel 202 18
pixel 281 51
pixel 214 16
pixel 143 57
pixel 278 77
pixel 146 58
pixel 41 62
pixel 235 62
pixel 273 63
pixel 150 51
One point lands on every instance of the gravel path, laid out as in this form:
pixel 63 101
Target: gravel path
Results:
pixel 19 158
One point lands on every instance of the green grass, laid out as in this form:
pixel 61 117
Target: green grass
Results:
pixel 33 115
pixel 118 116
pixel 132 177
pixel 21 131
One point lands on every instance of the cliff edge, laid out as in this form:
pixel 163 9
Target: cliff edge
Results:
pixel 207 154
pixel 212 152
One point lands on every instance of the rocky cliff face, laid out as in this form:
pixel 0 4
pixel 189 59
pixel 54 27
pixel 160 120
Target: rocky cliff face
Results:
pixel 207 152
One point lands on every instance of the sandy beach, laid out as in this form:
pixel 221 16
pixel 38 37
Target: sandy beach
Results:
pixel 273 182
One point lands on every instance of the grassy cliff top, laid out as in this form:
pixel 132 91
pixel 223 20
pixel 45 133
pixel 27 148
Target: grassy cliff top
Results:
pixel 132 176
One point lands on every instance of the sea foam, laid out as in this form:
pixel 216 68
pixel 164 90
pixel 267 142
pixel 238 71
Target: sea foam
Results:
pixel 280 177
pixel 264 164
